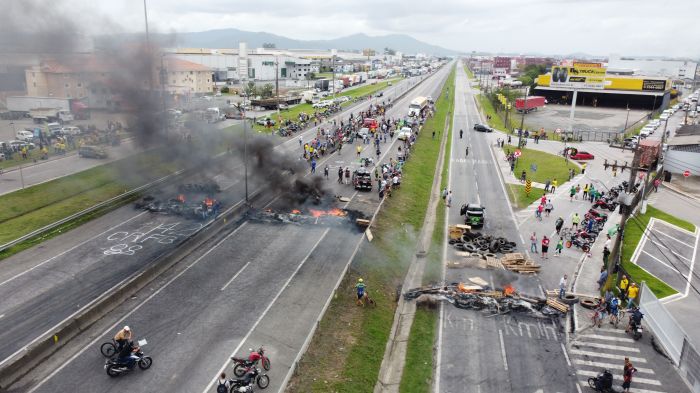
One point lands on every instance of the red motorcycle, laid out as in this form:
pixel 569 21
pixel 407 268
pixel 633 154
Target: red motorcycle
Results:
pixel 242 365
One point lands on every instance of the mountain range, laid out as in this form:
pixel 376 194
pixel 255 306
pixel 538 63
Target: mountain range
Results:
pixel 229 38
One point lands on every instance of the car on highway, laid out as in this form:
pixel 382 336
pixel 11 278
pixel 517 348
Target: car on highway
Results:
pixel 71 130
pixel 631 142
pixel 24 135
pixel 19 145
pixel 482 128
pixel 649 129
pixel 474 214
pixel 92 152
pixel 363 132
pixel 664 116
pixel 655 123
pixel 362 179
pixel 404 133
pixel 265 121
pixel 54 128
pixel 582 155
pixel 643 133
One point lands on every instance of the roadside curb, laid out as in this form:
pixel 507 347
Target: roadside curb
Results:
pixel 678 191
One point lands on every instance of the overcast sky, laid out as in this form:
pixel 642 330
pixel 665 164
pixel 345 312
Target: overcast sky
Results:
pixel 600 27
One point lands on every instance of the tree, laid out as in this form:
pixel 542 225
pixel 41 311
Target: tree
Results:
pixel 389 51
pixel 311 75
pixel 251 90
pixel 266 91
pixel 269 45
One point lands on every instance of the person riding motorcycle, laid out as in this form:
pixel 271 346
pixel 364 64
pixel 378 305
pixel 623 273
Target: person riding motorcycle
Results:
pixel 122 337
pixel 360 287
pixel 127 355
pixel 635 319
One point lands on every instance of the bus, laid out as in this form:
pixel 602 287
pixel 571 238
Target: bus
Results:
pixel 417 106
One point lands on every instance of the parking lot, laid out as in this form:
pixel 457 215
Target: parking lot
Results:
pixel 668 252
pixel 586 118
pixel 99 119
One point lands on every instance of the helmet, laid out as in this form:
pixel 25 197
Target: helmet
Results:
pixel 360 280
pixel 126 328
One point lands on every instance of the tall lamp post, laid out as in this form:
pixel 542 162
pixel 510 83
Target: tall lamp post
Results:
pixel 522 118
pixel 21 175
pixel 245 147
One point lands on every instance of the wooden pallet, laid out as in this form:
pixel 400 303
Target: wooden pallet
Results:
pixel 557 305
pixel 494 263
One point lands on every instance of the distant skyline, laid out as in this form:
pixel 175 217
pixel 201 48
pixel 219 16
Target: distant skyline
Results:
pixel 596 27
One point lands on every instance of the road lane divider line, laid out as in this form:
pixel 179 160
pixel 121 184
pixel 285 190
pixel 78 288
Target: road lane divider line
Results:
pixel 503 349
pixel 69 250
pixel 235 275
pixel 267 309
pixel 566 355
pixel 127 315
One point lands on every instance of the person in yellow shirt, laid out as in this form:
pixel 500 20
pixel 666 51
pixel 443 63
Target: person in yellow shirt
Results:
pixel 632 293
pixel 583 168
pixel 554 185
pixel 624 284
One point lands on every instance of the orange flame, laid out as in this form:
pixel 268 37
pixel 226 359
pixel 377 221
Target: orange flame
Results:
pixel 296 211
pixel 332 212
pixel 508 290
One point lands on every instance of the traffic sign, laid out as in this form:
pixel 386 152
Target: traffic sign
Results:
pixel 686 173
pixel 528 187
pixel 517 153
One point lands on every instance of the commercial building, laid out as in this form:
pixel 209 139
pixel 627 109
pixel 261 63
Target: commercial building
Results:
pixel 683 152
pixel 594 86
pixel 674 69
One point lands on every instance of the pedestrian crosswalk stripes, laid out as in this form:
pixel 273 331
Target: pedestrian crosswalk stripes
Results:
pixel 611 366
pixel 635 390
pixel 607 338
pixel 618 376
pixel 606 348
pixel 607 355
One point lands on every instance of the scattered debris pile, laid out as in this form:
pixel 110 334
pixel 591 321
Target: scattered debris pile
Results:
pixel 477 295
pixel 463 239
pixel 332 216
pixel 192 201
pixel 514 262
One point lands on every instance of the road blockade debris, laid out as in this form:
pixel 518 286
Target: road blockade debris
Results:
pixel 477 242
pixel 330 216
pixel 484 298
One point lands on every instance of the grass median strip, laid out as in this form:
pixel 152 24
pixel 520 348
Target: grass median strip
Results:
pixel 520 198
pixel 548 166
pixel 633 234
pixel 346 352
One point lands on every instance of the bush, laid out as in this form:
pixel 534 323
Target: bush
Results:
pixel 224 90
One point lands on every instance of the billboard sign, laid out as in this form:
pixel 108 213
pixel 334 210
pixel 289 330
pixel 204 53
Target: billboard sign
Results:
pixel 580 75
pixel 653 85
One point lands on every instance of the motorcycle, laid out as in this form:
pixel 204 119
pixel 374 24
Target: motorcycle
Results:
pixel 115 367
pixel 635 324
pixel 605 204
pixel 241 365
pixel 603 382
pixel 583 244
pixel 245 383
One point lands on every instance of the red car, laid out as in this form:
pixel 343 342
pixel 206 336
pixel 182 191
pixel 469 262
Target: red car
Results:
pixel 582 155
pixel 370 123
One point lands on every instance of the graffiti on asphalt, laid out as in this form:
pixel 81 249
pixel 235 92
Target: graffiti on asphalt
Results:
pixel 128 243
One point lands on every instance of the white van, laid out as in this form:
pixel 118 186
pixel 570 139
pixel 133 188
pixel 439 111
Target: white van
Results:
pixel 24 135
pixel 72 130
pixel 54 128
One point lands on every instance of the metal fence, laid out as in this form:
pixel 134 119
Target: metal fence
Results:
pixel 690 365
pixel 662 324
pixel 596 135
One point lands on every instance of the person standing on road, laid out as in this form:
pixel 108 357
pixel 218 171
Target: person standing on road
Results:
pixel 583 168
pixel 585 191
pixel 326 170
pixel 627 371
pixel 347 175
pixel 575 220
pixel 533 242
pixel 632 293
pixel 538 212
pixel 466 151
pixel 546 185
pixel 340 174
pixel 301 140
pixel 545 247
pixel 562 286
pixel 572 192
pixel 449 199
pixel 359 150
pixel 559 247
pixel 602 278
pixel 444 194
pixel 656 185
pixel 554 185
pixel 558 224
pixel 548 207
pixel 460 133
pixel 313 165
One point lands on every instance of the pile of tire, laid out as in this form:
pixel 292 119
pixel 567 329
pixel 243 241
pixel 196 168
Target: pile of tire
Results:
pixel 484 245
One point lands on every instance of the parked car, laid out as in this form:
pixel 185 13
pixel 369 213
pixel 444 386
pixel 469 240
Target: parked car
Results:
pixel 404 133
pixel 482 128
pixel 54 128
pixel 265 121
pixel 582 155
pixel 362 179
pixel 19 145
pixel 71 130
pixel 92 152
pixel 24 135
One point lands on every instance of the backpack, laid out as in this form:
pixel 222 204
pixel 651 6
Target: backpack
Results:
pixel 222 387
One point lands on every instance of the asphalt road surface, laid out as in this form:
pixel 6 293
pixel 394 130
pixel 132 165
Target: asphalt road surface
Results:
pixel 262 283
pixel 480 352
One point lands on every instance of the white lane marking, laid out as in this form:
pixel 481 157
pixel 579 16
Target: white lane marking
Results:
pixel 609 338
pixel 606 355
pixel 69 250
pixel 235 275
pixel 619 378
pixel 438 364
pixel 636 389
pixel 2 315
pixel 503 350
pixel 606 346
pixel 660 246
pixel 566 355
pixel 663 263
pixel 127 315
pixel 264 313
pixel 610 366
pixel 673 238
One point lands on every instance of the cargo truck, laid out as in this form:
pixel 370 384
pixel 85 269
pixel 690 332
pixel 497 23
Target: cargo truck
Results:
pixel 529 104
pixel 649 153
pixel 54 109
pixel 322 84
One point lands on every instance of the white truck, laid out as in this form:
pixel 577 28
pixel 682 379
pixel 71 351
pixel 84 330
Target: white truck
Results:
pixel 311 97
pixel 417 105
pixel 45 108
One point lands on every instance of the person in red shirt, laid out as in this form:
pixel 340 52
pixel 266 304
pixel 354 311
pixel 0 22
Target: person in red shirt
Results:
pixel 545 246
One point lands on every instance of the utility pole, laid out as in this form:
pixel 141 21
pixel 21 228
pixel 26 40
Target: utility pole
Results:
pixel 333 52
pixel 148 48
pixel 522 119
pixel 626 211
pixel 277 86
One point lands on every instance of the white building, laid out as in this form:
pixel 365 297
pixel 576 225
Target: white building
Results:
pixel 675 69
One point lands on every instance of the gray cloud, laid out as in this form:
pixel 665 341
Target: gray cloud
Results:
pixel 646 27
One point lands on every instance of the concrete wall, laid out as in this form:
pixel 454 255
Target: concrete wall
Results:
pixel 679 161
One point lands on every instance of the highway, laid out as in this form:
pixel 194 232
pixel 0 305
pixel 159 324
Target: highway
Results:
pixel 480 352
pixel 259 283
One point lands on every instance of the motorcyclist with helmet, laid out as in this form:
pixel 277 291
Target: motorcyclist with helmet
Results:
pixel 360 287
pixel 122 337
pixel 127 354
